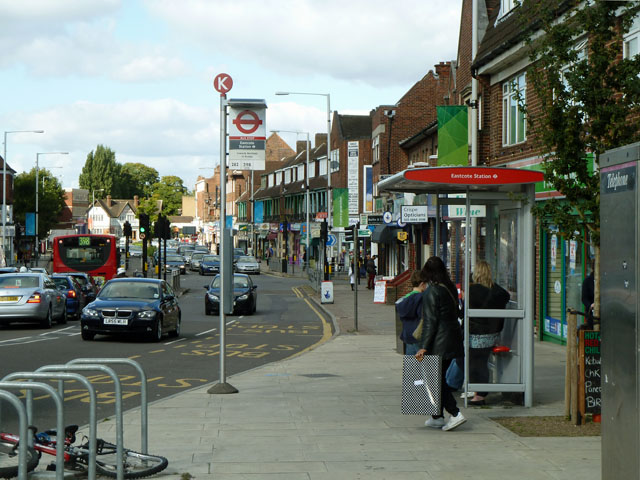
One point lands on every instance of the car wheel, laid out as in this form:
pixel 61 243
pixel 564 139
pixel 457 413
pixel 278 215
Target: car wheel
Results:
pixel 63 319
pixel 48 321
pixel 176 332
pixel 87 335
pixel 156 331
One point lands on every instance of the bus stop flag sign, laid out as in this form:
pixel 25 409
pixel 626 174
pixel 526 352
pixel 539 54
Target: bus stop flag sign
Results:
pixel 247 136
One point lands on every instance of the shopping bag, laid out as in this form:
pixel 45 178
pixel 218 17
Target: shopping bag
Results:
pixel 421 384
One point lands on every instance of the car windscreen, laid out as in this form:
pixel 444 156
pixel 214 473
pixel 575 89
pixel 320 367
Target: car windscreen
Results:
pixel 211 258
pixel 22 281
pixel 197 256
pixel 240 282
pixel 174 258
pixel 138 290
pixel 246 260
pixel 81 280
pixel 61 282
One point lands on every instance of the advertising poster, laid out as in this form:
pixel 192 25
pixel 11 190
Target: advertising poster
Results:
pixel 340 207
pixel 258 212
pixel 368 188
pixel 352 176
pixel 453 136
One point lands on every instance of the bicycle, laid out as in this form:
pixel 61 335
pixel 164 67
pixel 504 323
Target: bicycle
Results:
pixel 136 465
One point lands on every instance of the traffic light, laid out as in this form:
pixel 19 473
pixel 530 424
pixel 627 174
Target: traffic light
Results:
pixel 348 234
pixel 126 229
pixel 324 231
pixel 144 225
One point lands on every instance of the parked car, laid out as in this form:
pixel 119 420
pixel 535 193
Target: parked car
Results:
pixel 202 248
pixel 247 265
pixel 39 270
pixel 170 251
pixel 187 257
pixel 175 261
pixel 135 250
pixel 77 298
pixel 210 265
pixel 146 306
pixel 245 297
pixel 31 297
pixel 196 258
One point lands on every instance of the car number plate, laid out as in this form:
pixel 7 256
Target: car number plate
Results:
pixel 8 299
pixel 116 321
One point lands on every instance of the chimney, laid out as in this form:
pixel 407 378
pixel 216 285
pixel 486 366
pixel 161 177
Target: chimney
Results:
pixel 109 201
pixel 320 138
pixel 301 146
pixel 443 68
pixel 136 201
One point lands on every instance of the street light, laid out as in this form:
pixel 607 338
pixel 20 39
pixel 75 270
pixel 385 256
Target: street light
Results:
pixel 37 183
pixel 307 193
pixel 329 196
pixel 4 189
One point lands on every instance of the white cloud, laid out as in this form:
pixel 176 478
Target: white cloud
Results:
pixel 75 40
pixel 373 41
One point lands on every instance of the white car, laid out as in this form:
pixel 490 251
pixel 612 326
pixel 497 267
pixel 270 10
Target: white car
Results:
pixel 246 264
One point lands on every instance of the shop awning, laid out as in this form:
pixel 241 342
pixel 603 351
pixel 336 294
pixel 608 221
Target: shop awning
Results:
pixel 384 233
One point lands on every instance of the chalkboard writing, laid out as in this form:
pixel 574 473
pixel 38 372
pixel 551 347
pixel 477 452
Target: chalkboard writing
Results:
pixel 590 369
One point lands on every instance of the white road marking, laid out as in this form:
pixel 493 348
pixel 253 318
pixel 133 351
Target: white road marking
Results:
pixel 175 341
pixel 205 332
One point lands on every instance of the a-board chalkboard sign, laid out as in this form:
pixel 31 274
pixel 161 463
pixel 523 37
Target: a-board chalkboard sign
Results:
pixel 589 382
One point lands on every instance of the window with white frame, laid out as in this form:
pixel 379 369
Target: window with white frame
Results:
pixel 375 147
pixel 300 175
pixel 312 168
pixel 272 180
pixel 631 43
pixel 514 124
pixel 335 160
pixel 506 6
pixel 581 52
pixel 278 178
pixel 322 166
pixel 287 176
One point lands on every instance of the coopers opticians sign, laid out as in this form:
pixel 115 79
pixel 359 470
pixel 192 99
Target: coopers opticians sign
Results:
pixel 414 214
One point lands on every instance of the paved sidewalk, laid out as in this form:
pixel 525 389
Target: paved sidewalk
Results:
pixel 334 413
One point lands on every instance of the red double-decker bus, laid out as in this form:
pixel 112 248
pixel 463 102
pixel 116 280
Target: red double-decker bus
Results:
pixel 96 255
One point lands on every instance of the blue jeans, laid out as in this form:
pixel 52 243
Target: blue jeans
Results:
pixel 411 348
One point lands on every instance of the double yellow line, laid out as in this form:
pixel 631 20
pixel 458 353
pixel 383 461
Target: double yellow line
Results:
pixel 326 327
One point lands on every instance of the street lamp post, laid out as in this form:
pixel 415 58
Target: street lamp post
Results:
pixel 37 193
pixel 306 195
pixel 4 188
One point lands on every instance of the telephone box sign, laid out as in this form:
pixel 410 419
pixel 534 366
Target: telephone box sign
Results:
pixel 247 134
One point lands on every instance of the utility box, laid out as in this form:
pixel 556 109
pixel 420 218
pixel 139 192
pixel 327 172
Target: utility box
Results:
pixel 619 207
pixel 326 292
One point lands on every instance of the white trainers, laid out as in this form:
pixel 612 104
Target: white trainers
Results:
pixel 435 422
pixel 454 422
pixel 468 395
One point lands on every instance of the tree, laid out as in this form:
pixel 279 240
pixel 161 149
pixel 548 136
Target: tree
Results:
pixel 50 199
pixel 142 178
pixel 589 102
pixel 101 171
pixel 170 190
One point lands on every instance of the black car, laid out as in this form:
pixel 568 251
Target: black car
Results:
pixel 77 298
pixel 146 306
pixel 245 297
pixel 88 284
pixel 209 265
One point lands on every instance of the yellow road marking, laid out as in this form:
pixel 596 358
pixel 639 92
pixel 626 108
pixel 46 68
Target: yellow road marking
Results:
pixel 326 331
pixel 157 351
pixel 133 357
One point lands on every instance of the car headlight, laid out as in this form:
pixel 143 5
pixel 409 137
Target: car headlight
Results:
pixel 90 312
pixel 147 314
pixel 213 297
pixel 243 297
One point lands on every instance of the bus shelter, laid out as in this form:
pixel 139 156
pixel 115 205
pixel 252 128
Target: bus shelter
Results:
pixel 498 227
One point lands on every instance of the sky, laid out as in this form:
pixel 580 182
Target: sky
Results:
pixel 137 75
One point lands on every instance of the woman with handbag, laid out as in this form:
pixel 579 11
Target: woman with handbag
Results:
pixel 441 335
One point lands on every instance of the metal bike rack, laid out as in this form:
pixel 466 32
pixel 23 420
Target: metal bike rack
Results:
pixel 92 407
pixel 59 415
pixel 143 390
pixel 23 431
pixel 118 400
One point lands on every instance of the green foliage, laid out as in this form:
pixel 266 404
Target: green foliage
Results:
pixel 50 199
pixel 588 103
pixel 101 171
pixel 140 179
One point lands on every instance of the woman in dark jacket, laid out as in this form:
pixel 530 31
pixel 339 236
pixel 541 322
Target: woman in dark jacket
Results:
pixel 409 310
pixel 441 335
pixel 483 332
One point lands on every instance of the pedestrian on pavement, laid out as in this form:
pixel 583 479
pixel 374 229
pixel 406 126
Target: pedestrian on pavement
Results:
pixel 483 332
pixel 370 266
pixel 352 276
pixel 441 335
pixel 409 310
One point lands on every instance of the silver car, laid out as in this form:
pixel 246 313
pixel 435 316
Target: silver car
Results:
pixel 246 264
pixel 196 257
pixel 31 297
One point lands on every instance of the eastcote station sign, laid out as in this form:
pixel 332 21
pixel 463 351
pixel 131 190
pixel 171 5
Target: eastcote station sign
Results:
pixel 247 134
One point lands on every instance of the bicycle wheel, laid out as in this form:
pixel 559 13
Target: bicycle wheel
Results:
pixel 9 459
pixel 136 465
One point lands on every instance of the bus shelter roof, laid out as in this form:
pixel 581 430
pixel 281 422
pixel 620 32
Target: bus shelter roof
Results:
pixel 459 180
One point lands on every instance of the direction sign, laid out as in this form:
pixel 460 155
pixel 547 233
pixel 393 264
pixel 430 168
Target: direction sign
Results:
pixel 364 232
pixel 331 240
pixel 222 83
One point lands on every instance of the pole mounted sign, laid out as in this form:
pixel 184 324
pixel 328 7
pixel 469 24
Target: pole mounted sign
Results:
pixel 247 134
pixel 222 83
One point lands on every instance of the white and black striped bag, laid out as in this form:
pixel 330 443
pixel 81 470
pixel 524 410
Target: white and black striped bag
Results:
pixel 421 383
